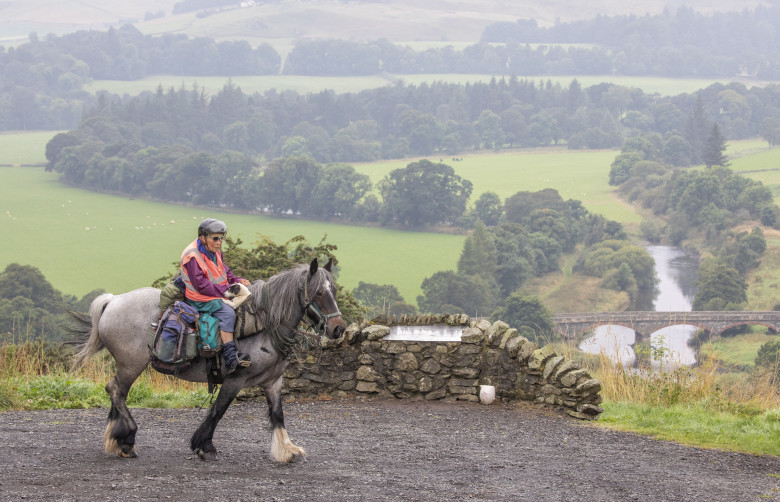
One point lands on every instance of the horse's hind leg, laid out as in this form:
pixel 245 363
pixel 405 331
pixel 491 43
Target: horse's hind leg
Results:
pixel 119 437
pixel 282 449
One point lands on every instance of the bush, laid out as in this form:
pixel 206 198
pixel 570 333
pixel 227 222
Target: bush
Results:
pixel 768 357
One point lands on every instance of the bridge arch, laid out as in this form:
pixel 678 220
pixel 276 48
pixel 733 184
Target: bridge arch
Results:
pixel 646 323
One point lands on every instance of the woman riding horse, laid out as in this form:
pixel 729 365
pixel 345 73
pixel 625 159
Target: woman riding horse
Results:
pixel 120 323
pixel 207 277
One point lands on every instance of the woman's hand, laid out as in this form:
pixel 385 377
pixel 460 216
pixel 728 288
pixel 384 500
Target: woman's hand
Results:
pixel 244 282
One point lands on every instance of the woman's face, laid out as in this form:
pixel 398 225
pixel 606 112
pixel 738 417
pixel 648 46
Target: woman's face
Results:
pixel 214 242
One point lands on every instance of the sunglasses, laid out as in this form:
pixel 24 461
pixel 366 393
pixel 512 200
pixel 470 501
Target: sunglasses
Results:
pixel 217 238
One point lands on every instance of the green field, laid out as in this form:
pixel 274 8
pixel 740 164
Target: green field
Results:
pixel 24 148
pixel 579 175
pixel 761 165
pixel 83 240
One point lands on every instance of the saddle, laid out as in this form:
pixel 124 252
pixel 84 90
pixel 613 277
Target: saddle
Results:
pixel 175 341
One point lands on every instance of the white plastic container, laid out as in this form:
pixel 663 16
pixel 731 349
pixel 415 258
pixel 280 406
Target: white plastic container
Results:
pixel 487 393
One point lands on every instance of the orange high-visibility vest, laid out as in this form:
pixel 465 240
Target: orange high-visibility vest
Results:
pixel 215 272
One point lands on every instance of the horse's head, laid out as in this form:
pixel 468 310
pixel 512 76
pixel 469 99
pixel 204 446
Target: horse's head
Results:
pixel 321 308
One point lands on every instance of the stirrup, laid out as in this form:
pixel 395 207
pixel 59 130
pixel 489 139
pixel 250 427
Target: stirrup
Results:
pixel 243 360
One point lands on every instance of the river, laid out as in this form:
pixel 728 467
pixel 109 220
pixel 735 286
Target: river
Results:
pixel 676 272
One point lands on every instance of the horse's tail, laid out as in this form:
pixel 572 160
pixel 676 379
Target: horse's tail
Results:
pixel 87 330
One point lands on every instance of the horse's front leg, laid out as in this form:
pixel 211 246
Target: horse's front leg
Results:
pixel 282 449
pixel 201 440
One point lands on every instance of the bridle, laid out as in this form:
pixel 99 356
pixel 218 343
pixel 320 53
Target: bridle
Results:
pixel 309 305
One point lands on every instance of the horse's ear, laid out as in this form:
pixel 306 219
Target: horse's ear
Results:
pixel 313 267
pixel 329 264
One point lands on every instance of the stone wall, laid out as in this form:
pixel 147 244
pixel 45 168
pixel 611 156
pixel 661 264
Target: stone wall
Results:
pixel 363 363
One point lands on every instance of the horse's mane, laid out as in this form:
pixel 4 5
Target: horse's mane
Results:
pixel 282 306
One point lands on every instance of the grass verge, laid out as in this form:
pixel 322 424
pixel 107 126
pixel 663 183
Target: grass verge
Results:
pixel 701 406
pixel 35 376
pixel 697 424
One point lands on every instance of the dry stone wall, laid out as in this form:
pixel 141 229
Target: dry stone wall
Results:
pixel 363 363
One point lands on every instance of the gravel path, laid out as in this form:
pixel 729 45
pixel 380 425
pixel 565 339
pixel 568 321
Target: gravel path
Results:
pixel 377 450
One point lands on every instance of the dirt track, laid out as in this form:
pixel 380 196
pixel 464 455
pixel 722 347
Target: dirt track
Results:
pixel 381 450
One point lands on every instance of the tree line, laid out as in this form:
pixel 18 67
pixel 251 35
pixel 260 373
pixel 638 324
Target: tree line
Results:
pixel 41 82
pixel 680 43
pixel 437 119
pixel 676 44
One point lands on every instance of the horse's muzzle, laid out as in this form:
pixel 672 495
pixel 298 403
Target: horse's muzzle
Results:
pixel 337 330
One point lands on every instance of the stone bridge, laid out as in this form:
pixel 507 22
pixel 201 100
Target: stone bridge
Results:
pixel 647 323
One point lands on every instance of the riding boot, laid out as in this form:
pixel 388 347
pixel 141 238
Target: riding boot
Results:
pixel 232 359
pixel 229 359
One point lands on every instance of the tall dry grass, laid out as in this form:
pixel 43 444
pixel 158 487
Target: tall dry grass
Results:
pixel 709 384
pixel 22 357
pixel 656 381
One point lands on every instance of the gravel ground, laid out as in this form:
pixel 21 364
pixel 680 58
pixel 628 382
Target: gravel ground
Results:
pixel 376 450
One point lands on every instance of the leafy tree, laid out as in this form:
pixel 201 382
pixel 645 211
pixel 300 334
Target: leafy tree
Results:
pixel 423 131
pixel 769 130
pixel 520 310
pixel 621 167
pixel 714 150
pixel 488 127
pixel 30 307
pixel 719 287
pixel 56 145
pixel 520 205
pixel 514 257
pixel 479 254
pixel 745 252
pixel 622 265
pixel 448 292
pixel 768 357
pixel 28 282
pixel 338 191
pixel 288 184
pixel 424 193
pixel 488 208
pixel 697 129
pixel 377 296
pixel 677 151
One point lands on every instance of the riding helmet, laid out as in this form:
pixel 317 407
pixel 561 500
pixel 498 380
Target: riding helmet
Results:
pixel 211 226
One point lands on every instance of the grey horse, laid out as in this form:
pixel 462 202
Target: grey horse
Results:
pixel 120 323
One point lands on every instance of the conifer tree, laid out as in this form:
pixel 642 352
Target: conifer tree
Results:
pixel 714 150
pixel 479 254
pixel 697 129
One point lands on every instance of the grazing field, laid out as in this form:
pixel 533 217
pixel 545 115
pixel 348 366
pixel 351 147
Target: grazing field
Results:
pixel 24 148
pixel 83 240
pixel 580 175
pixel 759 163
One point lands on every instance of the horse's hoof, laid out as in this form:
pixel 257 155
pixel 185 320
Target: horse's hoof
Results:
pixel 298 459
pixel 210 456
pixel 128 453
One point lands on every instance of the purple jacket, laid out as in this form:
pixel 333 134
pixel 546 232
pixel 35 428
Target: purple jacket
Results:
pixel 201 282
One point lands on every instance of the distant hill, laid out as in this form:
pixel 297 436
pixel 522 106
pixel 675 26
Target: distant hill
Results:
pixel 282 22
